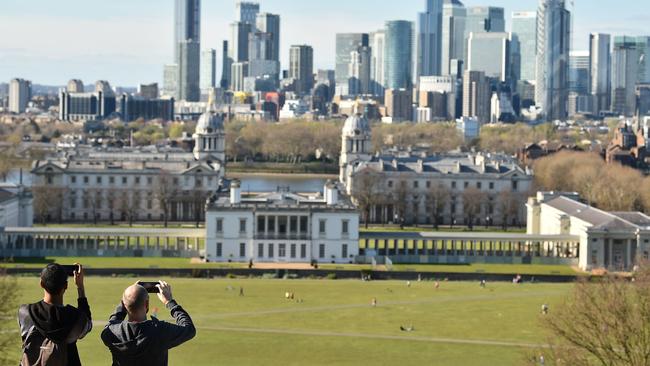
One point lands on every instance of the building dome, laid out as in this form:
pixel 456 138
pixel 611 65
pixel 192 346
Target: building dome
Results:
pixel 356 125
pixel 210 122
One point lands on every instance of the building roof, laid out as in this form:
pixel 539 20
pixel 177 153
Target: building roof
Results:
pixel 356 125
pixel 6 195
pixel 599 219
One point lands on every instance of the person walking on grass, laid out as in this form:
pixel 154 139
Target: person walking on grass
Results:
pixel 49 329
pixel 134 340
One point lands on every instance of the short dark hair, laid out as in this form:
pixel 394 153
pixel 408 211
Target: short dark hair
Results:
pixel 54 278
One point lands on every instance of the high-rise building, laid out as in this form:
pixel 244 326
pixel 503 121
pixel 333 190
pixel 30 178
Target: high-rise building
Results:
pixel 208 75
pixel 187 48
pixel 301 67
pixel 625 74
pixel 345 44
pixel 270 24
pixel 148 91
pixel 75 86
pixel 600 63
pixel 246 11
pixel 524 28
pixel 20 92
pixel 170 81
pixel 643 47
pixel 377 75
pixel 189 72
pixel 359 70
pixel 226 65
pixel 429 40
pixel 91 106
pixel 238 45
pixel 477 96
pixel 454 15
pixel 484 19
pixel 553 46
pixel 238 74
pixel 133 107
pixel 490 53
pixel 398 54
pixel 399 104
pixel 579 72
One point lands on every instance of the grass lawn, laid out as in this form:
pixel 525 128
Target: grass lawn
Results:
pixel 458 324
pixel 176 263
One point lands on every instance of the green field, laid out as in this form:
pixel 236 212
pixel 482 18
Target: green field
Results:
pixel 457 324
pixel 179 263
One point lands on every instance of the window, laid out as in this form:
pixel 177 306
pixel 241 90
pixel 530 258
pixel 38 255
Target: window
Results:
pixel 242 250
pixel 49 179
pixel 594 257
pixel 73 202
pixel 293 224
pixel 73 216
pixel 345 226
pixel 491 185
pixel 428 184
pixel 479 185
pixel 321 226
pixel 99 180
pixel 303 224
pixel 282 250
pixel 149 204
pixel 86 180
pixel 271 224
pixel 321 251
pixel 416 184
pixel 453 185
pixel 137 180
pixel 261 224
pixel 219 249
pixel 149 180
pixel 514 185
pixel 220 226
pixel 466 185
pixel 73 179
pixel 390 184
pixel 111 180
pixel 124 180
pixel 303 250
pixel 270 250
pixel 242 225
pixel 260 250
pixel 175 180
pixel 344 251
pixel 293 250
pixel 282 224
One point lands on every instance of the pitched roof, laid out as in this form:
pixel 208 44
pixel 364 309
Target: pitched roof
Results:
pixel 598 219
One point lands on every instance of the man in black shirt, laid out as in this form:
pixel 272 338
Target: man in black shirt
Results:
pixel 134 340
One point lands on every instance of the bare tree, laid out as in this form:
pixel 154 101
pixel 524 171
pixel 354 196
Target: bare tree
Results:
pixel 605 323
pixel 508 205
pixel 10 297
pixel 198 199
pixel 165 193
pixel 473 200
pixel 438 197
pixel 112 196
pixel 365 187
pixel 94 199
pixel 400 200
pixel 48 201
pixel 133 206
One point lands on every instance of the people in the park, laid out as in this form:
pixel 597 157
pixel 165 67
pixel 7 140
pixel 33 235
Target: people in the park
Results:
pixel 241 291
pixel 134 340
pixel 49 328
pixel 373 303
pixel 544 309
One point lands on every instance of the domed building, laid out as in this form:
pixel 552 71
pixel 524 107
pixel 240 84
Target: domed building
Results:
pixel 356 144
pixel 210 135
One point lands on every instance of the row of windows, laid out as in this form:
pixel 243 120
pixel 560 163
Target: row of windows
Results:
pixel 454 185
pixel 282 250
pixel 125 180
pixel 322 225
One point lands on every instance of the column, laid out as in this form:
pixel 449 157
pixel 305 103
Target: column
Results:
pixel 167 243
pixel 74 243
pixel 628 254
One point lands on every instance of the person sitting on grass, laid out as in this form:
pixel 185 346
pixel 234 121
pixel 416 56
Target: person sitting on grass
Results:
pixel 49 329
pixel 134 340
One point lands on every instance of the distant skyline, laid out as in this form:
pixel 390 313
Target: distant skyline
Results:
pixel 127 42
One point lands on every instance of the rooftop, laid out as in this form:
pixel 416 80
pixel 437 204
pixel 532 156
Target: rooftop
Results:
pixel 600 219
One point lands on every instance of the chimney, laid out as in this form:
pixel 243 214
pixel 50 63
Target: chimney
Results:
pixel 235 192
pixel 331 193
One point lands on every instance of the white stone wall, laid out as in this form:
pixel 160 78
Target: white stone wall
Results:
pixel 10 213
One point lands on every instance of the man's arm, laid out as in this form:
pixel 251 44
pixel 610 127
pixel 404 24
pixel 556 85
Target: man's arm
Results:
pixel 183 330
pixel 116 318
pixel 84 322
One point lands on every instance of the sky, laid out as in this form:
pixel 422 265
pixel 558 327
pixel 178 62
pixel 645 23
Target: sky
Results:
pixel 128 41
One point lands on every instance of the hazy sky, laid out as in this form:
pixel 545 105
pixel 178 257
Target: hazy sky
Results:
pixel 129 41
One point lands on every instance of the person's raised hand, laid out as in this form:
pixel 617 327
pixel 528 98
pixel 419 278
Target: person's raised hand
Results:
pixel 79 279
pixel 164 292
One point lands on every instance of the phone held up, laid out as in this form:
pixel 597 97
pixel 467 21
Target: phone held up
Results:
pixel 150 287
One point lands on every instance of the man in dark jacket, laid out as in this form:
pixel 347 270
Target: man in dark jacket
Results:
pixel 48 328
pixel 138 341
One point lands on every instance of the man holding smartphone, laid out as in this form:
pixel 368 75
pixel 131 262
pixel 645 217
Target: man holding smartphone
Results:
pixel 134 340
pixel 49 328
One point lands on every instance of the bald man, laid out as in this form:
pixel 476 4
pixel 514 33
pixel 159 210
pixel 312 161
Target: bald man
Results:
pixel 134 340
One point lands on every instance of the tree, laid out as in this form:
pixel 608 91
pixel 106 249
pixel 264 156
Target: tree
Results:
pixel 604 323
pixel 400 199
pixel 112 203
pixel 8 338
pixel 508 205
pixel 165 193
pixel 365 186
pixel 48 200
pixel 473 199
pixel 133 205
pixel 438 197
pixel 94 199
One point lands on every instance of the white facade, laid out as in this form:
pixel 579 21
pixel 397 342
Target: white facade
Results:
pixel 611 240
pixel 281 227
pixel 20 91
pixel 15 207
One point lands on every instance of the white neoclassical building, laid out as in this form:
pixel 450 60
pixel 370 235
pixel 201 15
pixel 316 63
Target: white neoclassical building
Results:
pixel 409 179
pixel 113 183
pixel 610 240
pixel 281 227
pixel 15 206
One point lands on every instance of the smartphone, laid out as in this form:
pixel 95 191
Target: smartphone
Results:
pixel 70 269
pixel 150 287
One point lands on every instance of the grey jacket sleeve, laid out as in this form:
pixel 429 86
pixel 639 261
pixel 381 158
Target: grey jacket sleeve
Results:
pixel 181 332
pixel 85 321
pixel 116 318
pixel 24 321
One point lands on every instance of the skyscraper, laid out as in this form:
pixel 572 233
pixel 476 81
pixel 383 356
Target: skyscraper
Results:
pixel 429 40
pixel 208 69
pixel 187 48
pixel 226 65
pixel 625 74
pixel 454 15
pixel 238 45
pixel 359 69
pixel 20 92
pixel 484 19
pixel 377 75
pixel 579 72
pixel 345 44
pixel 301 67
pixel 170 80
pixel 553 46
pixel 600 63
pixel 398 54
pixel 490 53
pixel 476 96
pixel 524 28
pixel 643 47
pixel 270 24
pixel 75 86
pixel 246 11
